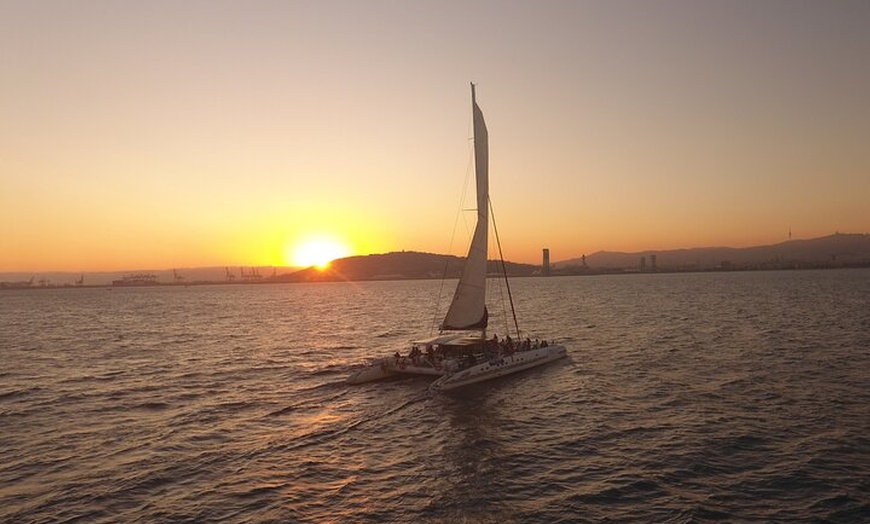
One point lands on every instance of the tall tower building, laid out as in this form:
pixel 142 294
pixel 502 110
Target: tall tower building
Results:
pixel 546 271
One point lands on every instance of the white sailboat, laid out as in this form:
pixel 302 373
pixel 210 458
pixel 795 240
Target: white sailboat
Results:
pixel 462 354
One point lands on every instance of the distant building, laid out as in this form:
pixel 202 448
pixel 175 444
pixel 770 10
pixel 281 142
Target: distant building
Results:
pixel 652 260
pixel 546 265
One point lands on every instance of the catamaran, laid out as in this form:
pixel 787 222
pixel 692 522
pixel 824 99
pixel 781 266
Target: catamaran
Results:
pixel 462 354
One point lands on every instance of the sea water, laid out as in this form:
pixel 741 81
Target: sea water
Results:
pixel 685 398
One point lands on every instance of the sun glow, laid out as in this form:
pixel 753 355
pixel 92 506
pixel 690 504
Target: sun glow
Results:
pixel 318 252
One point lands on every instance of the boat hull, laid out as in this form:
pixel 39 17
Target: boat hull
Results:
pixel 386 367
pixel 375 371
pixel 499 367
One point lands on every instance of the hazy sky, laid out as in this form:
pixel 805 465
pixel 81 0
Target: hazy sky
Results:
pixel 173 134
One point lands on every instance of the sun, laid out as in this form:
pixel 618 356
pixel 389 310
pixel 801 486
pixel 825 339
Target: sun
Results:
pixel 318 252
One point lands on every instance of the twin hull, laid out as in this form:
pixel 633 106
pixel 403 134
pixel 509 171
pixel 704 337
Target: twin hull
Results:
pixel 388 367
pixel 499 366
pixel 496 367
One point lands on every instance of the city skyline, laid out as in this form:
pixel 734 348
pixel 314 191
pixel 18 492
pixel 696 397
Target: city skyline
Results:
pixel 221 133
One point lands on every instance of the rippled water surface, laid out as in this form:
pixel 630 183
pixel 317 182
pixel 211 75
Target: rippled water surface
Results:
pixel 685 398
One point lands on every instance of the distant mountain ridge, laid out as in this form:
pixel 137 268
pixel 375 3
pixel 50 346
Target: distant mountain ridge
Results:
pixel 837 250
pixel 398 265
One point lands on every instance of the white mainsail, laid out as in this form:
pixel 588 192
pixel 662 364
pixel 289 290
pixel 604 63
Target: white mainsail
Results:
pixel 468 308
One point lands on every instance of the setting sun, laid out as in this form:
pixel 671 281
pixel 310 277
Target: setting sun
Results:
pixel 317 252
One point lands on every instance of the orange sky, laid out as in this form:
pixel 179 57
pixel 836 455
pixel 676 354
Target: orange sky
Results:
pixel 142 135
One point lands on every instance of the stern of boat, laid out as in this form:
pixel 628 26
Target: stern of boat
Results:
pixel 377 369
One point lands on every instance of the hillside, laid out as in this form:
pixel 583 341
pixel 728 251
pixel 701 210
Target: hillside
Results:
pixel 838 250
pixel 397 266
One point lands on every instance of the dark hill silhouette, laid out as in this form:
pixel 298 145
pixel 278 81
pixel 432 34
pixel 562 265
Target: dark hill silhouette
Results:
pixel 837 250
pixel 397 266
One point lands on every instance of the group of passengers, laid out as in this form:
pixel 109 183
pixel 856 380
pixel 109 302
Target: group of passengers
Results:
pixel 415 355
pixel 508 346
pixel 493 347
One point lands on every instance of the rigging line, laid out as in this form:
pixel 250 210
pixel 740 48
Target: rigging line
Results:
pixel 438 300
pixel 504 316
pixel 504 303
pixel 497 286
pixel 459 213
pixel 507 282
pixel 470 172
pixel 441 290
pixel 501 295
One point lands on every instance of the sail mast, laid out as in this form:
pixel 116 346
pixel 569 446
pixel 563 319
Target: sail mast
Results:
pixel 468 308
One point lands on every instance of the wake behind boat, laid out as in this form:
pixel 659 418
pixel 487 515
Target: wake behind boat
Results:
pixel 462 354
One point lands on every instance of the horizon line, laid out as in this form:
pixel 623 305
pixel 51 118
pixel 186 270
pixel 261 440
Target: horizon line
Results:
pixel 300 268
